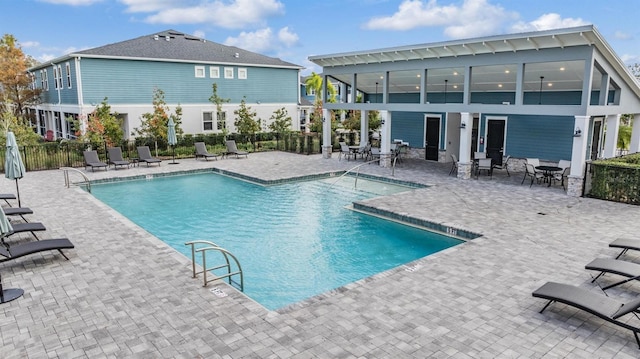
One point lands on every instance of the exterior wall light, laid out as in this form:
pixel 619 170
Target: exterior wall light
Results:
pixel 463 124
pixel 578 132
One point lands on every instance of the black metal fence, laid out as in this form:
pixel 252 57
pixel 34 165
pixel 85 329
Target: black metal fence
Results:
pixel 53 155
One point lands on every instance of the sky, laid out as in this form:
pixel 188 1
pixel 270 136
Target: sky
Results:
pixel 293 30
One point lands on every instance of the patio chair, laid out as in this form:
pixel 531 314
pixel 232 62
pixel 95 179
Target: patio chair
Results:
pixel 530 171
pixel 345 151
pixel 614 266
pixel 561 175
pixel 10 252
pixel 484 164
pixel 374 153
pixel 91 160
pixel 363 151
pixel 115 157
pixel 28 227
pixel 232 149
pixel 607 308
pixel 503 166
pixel 454 165
pixel 535 162
pixel 144 155
pixel 6 197
pixel 626 244
pixel 17 211
pixel 201 151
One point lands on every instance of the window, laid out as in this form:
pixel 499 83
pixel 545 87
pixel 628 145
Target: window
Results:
pixel 207 121
pixel 242 73
pixel 200 71
pixel 60 77
pixel 55 77
pixel 214 72
pixel 228 72
pixel 34 81
pixel 222 120
pixel 68 69
pixel 45 79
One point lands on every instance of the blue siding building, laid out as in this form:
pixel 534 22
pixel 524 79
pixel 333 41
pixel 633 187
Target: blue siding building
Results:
pixel 184 67
pixel 552 95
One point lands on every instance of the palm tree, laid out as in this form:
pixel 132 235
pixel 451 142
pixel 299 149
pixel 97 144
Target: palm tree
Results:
pixel 314 82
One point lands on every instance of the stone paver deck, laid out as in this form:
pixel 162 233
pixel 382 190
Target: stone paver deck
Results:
pixel 124 293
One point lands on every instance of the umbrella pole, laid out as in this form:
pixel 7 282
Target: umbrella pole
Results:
pixel 173 151
pixel 18 193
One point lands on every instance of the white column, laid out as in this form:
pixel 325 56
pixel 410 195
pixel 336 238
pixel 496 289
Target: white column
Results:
pixel 385 139
pixel 364 127
pixel 326 134
pixel 464 161
pixel 611 137
pixel 635 134
pixel 578 156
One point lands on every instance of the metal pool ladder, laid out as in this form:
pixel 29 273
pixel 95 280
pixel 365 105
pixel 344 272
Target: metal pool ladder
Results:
pixel 207 246
pixel 67 181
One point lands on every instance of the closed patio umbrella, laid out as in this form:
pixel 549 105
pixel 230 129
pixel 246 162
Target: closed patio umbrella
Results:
pixel 172 139
pixel 13 166
pixel 7 295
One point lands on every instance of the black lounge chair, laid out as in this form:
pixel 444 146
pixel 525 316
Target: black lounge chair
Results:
pixel 17 211
pixel 201 151
pixel 6 197
pixel 115 157
pixel 607 308
pixel 232 149
pixel 615 266
pixel 625 244
pixel 28 227
pixel 144 155
pixel 15 251
pixel 91 160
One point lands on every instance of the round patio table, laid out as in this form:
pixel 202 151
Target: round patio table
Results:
pixel 548 172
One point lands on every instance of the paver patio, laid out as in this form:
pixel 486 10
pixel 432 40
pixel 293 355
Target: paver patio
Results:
pixel 124 293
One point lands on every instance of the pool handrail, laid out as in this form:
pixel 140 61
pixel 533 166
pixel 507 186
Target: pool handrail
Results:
pixel 214 247
pixel 68 183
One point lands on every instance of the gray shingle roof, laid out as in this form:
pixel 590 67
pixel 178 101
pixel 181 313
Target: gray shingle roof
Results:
pixel 173 45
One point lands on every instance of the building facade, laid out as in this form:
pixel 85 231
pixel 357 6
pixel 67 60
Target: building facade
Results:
pixel 184 67
pixel 552 95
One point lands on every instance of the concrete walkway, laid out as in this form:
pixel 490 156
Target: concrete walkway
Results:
pixel 123 293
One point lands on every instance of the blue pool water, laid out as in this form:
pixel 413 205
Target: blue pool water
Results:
pixel 293 240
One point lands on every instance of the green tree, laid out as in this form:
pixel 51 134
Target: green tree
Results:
pixel 101 125
pixel 245 122
pixel 218 101
pixel 280 121
pixel 16 91
pixel 155 124
pixel 9 122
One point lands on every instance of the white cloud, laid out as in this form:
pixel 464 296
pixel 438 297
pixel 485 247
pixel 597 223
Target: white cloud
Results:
pixel 231 15
pixel 72 2
pixel 264 40
pixel 548 22
pixel 45 57
pixel 199 33
pixel 29 44
pixel 472 18
pixel 622 35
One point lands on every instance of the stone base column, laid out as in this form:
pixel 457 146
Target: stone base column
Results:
pixel 575 186
pixel 385 160
pixel 464 170
pixel 326 151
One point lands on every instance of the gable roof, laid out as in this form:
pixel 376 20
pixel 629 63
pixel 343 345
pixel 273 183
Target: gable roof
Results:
pixel 175 46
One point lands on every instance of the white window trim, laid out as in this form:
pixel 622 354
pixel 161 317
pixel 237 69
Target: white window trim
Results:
pixel 68 69
pixel 55 77
pixel 199 72
pixel 213 121
pixel 214 72
pixel 217 120
pixel 228 72
pixel 242 73
pixel 60 77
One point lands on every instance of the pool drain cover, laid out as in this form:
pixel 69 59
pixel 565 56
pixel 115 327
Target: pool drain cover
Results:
pixel 217 291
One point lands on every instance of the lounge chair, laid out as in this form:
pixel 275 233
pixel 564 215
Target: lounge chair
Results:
pixel 6 197
pixel 615 266
pixel 17 211
pixel 607 308
pixel 232 149
pixel 91 160
pixel 115 157
pixel 28 227
pixel 144 155
pixel 8 253
pixel 201 151
pixel 625 244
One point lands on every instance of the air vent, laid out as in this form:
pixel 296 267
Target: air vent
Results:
pixel 156 37
pixel 236 55
pixel 167 38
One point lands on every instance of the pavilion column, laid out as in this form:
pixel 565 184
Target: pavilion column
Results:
pixel 578 157
pixel 327 147
pixel 364 128
pixel 385 139
pixel 464 161
pixel 634 146
pixel 611 139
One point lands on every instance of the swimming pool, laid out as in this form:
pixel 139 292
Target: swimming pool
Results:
pixel 294 240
